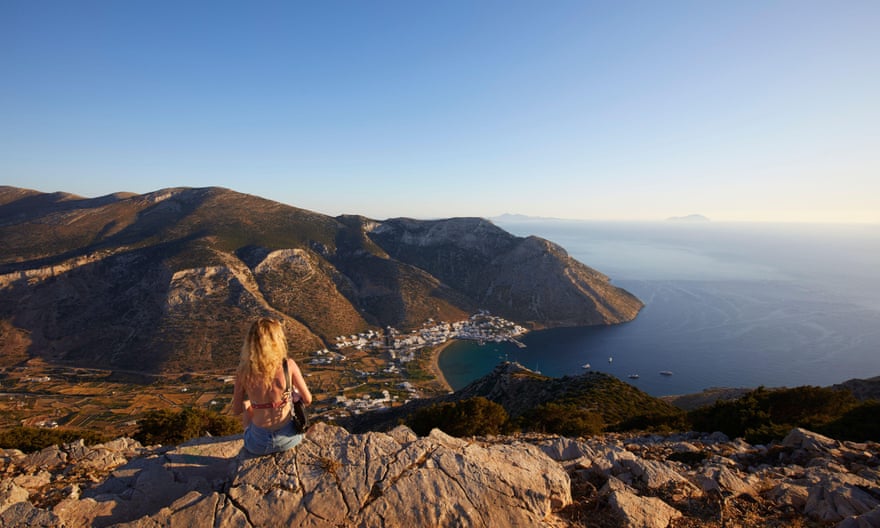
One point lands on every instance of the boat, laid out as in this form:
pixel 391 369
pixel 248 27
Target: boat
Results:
pixel 666 372
pixel 634 376
pixel 586 365
pixel 610 359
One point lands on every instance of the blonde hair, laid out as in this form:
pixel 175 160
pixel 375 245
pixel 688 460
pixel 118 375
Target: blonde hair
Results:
pixel 264 348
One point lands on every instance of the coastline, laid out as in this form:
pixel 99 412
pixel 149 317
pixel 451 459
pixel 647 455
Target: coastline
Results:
pixel 435 364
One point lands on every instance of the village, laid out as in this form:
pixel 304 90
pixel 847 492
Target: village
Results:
pixel 402 352
pixel 357 373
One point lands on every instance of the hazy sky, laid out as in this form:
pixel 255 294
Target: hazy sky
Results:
pixel 739 110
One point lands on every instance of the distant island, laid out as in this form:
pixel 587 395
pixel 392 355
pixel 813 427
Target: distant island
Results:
pixel 689 218
pixel 510 218
pixel 515 217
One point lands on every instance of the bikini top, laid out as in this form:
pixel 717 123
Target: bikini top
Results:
pixel 284 400
pixel 270 405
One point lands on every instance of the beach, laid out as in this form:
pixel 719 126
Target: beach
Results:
pixel 435 364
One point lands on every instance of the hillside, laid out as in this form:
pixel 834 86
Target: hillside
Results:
pixel 862 389
pixel 522 392
pixel 167 281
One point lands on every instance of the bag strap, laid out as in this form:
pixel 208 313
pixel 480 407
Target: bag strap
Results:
pixel 287 392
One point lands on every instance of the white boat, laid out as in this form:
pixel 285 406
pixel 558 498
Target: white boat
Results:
pixel 610 359
pixel 634 376
pixel 666 372
pixel 586 365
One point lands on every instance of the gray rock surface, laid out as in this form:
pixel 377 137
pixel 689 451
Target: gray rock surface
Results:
pixel 332 479
pixel 397 479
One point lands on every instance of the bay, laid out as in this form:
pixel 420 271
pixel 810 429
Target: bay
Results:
pixel 726 305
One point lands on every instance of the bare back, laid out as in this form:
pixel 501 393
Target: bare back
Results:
pixel 273 416
pixel 270 417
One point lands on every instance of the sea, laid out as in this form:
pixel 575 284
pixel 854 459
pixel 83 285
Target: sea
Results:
pixel 726 305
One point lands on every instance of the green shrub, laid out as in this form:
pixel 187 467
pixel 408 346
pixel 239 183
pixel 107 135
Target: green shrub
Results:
pixel 764 415
pixel 732 417
pixel 30 439
pixel 859 424
pixel 766 433
pixel 615 401
pixel 169 427
pixel 661 422
pixel 691 458
pixel 562 419
pixel 470 417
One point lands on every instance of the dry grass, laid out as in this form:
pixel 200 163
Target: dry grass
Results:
pixel 329 465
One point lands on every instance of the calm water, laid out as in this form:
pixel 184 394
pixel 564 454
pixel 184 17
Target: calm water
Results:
pixel 725 305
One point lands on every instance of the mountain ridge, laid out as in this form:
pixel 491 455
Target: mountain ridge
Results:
pixel 168 280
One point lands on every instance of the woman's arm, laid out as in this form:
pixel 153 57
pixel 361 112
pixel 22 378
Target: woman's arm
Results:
pixel 238 398
pixel 299 383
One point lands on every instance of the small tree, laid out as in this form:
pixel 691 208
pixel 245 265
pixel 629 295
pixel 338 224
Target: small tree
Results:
pixel 470 417
pixel 168 427
pixel 30 439
pixel 562 419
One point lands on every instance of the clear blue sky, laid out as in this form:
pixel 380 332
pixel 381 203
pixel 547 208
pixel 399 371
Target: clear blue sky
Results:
pixel 739 110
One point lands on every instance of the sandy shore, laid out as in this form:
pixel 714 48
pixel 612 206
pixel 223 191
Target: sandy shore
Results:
pixel 435 364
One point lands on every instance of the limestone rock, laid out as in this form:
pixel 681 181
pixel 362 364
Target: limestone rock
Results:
pixel 84 512
pixel 789 494
pixel 374 480
pixel 652 473
pixel 721 478
pixel 24 515
pixel 642 512
pixel 866 520
pixel 147 485
pixel 34 481
pixel 48 458
pixel 809 441
pixel 835 500
pixel 565 449
pixel 193 509
pixel 332 479
pixel 11 493
pixel 11 456
pixel 399 480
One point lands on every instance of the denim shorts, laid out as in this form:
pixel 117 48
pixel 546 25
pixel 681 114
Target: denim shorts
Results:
pixel 259 441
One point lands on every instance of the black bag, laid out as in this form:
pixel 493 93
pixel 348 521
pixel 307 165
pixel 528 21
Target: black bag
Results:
pixel 299 416
pixel 297 408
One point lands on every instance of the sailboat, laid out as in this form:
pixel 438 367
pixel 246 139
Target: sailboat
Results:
pixel 610 359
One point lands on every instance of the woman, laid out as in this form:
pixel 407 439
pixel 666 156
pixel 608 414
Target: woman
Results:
pixel 260 387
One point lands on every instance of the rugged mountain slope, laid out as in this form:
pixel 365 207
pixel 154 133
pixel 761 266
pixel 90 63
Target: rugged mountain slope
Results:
pixel 167 281
pixel 530 280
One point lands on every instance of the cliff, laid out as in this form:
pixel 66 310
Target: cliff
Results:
pixel 396 479
pixel 167 281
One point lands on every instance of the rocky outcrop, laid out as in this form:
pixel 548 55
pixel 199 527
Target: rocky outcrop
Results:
pixel 332 479
pixel 650 481
pixel 397 479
